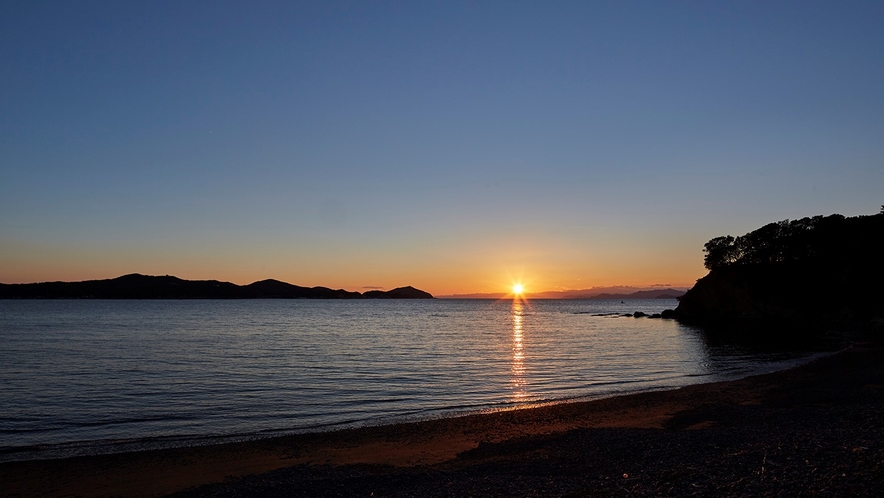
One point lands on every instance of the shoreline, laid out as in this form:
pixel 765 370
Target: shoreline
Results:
pixel 410 449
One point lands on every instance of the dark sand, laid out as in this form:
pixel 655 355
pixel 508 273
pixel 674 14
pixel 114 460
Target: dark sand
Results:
pixel 814 430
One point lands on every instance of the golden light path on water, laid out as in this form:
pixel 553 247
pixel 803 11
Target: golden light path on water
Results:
pixel 518 364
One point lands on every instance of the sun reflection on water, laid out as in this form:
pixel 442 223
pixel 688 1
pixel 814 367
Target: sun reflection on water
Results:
pixel 517 382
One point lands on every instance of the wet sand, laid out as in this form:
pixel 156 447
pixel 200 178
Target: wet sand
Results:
pixel 818 428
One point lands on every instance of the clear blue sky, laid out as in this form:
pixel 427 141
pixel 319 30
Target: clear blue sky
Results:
pixel 451 146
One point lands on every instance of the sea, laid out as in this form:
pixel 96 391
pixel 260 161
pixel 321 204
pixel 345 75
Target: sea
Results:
pixel 100 376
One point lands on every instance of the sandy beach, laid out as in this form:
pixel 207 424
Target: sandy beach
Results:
pixel 815 429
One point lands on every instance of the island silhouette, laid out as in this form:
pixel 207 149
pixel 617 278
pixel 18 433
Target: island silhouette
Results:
pixel 137 286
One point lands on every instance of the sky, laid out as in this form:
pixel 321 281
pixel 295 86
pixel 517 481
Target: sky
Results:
pixel 453 146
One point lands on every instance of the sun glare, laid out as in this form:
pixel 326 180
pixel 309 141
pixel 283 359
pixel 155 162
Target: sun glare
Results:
pixel 518 289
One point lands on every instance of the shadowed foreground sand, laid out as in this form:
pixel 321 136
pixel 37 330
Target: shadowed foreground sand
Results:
pixel 816 429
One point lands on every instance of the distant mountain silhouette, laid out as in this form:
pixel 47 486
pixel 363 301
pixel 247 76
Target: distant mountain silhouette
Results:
pixel 593 293
pixel 136 286
pixel 408 292
pixel 266 289
pixel 815 273
pixel 646 294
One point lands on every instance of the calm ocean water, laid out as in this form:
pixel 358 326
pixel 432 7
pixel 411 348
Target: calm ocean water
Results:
pixel 91 376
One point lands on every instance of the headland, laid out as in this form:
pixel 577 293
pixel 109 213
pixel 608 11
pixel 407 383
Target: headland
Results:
pixel 789 279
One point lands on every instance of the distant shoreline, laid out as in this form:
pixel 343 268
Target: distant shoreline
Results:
pixel 665 293
pixel 528 297
pixel 136 286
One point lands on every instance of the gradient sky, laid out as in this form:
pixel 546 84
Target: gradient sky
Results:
pixel 453 146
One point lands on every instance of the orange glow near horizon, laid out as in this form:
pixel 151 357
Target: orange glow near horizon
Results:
pixel 29 263
pixel 356 279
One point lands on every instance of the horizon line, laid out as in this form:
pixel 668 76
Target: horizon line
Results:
pixel 600 289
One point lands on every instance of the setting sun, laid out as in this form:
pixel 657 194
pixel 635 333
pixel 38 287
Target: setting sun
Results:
pixel 518 289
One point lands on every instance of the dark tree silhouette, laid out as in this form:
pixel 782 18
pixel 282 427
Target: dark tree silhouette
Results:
pixel 817 238
pixel 720 251
pixel 790 277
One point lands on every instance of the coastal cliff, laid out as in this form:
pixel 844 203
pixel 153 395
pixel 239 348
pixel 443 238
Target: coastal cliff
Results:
pixel 815 272
pixel 137 286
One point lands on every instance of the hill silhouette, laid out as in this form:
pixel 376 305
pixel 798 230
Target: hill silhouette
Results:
pixel 136 286
pixel 645 294
pixel 408 292
pixel 819 272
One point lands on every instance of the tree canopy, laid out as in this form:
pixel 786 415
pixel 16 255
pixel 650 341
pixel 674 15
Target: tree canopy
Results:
pixel 817 238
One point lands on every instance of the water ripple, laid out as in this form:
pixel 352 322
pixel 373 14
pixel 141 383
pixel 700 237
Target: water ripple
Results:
pixel 109 374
